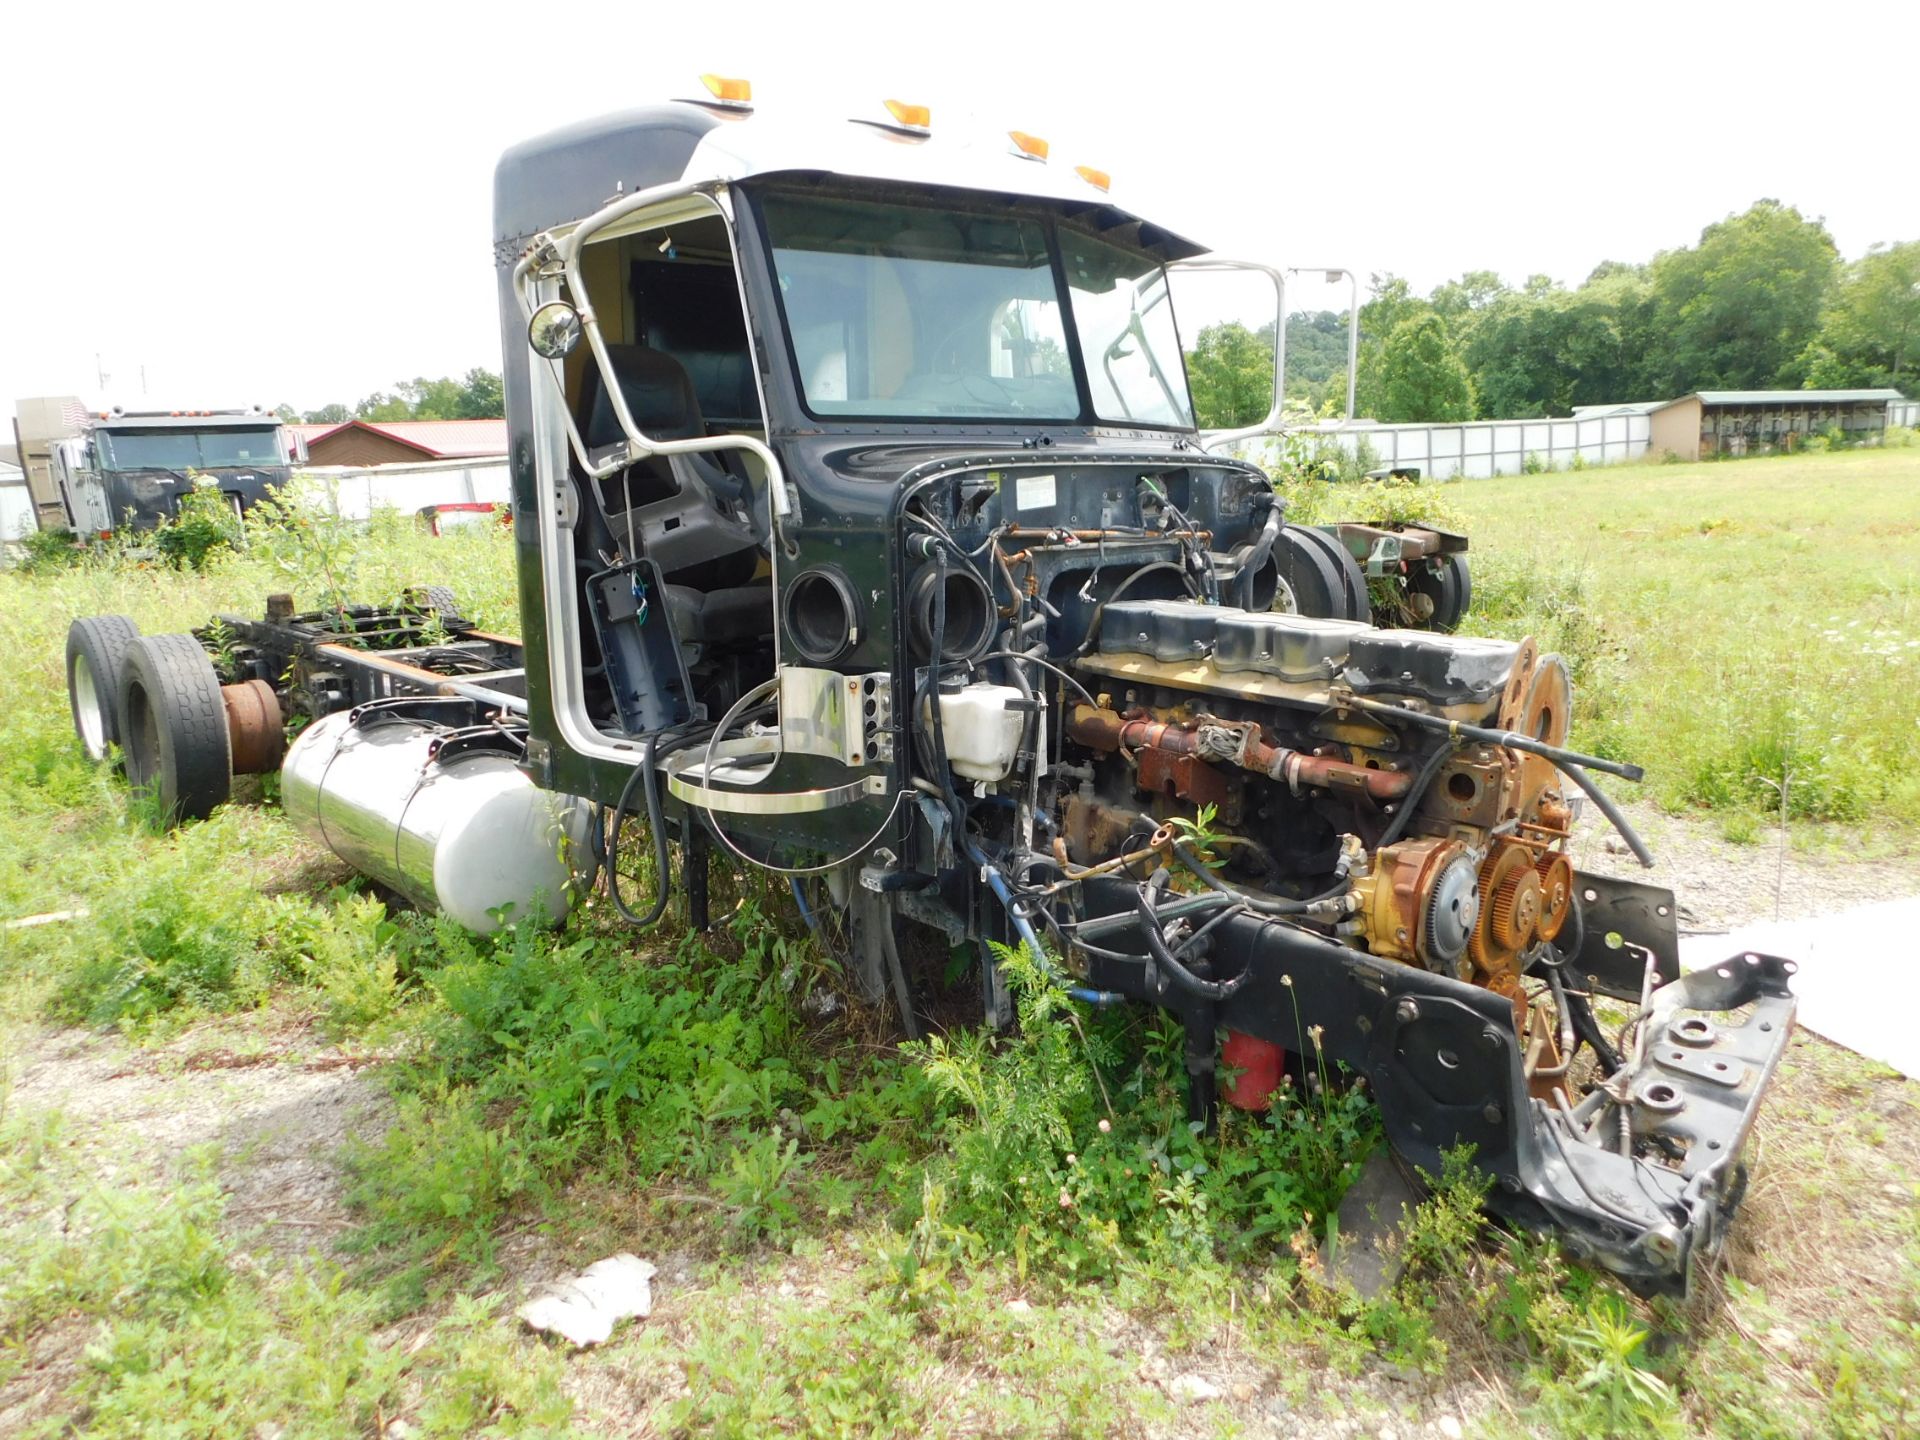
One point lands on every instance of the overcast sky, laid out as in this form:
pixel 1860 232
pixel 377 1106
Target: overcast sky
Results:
pixel 267 203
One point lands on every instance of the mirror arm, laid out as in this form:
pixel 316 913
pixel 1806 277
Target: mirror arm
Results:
pixel 1271 425
pixel 547 250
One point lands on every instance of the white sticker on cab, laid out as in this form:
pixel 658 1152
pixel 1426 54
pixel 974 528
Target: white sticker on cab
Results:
pixel 1034 492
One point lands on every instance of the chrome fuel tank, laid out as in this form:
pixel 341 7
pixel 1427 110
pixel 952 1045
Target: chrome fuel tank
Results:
pixel 454 828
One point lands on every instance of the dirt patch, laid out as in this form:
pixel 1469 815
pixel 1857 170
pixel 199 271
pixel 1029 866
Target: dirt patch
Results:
pixel 277 1114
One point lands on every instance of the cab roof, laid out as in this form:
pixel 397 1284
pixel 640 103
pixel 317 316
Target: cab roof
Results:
pixel 569 173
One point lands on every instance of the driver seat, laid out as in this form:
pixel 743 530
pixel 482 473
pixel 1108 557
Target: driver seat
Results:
pixel 689 513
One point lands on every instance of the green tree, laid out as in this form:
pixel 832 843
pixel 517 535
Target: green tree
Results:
pixel 436 399
pixel 1741 307
pixel 1421 374
pixel 1542 352
pixel 481 396
pixel 1392 303
pixel 1461 302
pixel 334 414
pixel 1871 332
pixel 1230 370
pixel 383 405
pixel 1640 366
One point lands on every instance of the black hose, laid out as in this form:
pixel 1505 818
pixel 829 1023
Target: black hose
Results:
pixel 1265 904
pixel 1568 760
pixel 1576 922
pixel 1208 928
pixel 1612 811
pixel 1179 974
pixel 1415 794
pixel 1014 655
pixel 1258 554
pixel 663 865
pixel 673 738
pixel 1586 1026
pixel 1100 610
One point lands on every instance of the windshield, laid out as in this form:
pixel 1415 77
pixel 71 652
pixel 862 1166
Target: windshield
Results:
pixel 1125 319
pixel 187 450
pixel 906 312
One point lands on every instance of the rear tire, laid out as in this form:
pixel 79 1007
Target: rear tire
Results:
pixel 1309 574
pixel 435 600
pixel 96 644
pixel 1352 579
pixel 1463 585
pixel 173 727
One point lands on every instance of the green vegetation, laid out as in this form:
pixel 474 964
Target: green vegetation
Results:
pixel 1421 373
pixel 1732 628
pixel 1007 1234
pixel 476 396
pixel 1761 301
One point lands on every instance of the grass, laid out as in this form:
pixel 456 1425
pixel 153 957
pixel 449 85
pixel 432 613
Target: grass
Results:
pixel 1732 626
pixel 1015 1235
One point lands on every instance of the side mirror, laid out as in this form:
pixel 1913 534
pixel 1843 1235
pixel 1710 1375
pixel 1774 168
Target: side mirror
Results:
pixel 554 330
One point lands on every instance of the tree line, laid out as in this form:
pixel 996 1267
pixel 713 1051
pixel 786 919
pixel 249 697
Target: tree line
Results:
pixel 1763 301
pixel 477 397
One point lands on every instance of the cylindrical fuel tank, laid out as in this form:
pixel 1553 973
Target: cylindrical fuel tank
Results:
pixel 454 828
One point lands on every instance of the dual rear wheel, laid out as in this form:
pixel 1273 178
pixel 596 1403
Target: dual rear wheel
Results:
pixel 156 697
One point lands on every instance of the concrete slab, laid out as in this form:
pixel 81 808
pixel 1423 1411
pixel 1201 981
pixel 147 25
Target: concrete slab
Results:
pixel 1859 979
pixel 1363 1249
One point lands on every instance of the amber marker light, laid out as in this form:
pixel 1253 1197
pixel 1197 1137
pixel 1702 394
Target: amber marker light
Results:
pixel 1099 179
pixel 728 90
pixel 913 117
pixel 1031 146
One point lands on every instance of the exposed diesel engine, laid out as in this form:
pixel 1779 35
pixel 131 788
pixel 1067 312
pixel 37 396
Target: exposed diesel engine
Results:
pixel 1274 823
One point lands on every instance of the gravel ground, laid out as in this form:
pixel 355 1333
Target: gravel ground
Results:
pixel 1721 886
pixel 277 1117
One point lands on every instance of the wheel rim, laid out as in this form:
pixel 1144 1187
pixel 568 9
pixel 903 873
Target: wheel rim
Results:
pixel 86 710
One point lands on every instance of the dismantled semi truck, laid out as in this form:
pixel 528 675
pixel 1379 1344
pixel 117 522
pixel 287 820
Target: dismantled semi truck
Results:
pixel 865 536
pixel 124 469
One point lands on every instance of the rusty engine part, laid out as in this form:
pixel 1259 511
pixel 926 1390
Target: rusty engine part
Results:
pixel 1420 902
pixel 1242 745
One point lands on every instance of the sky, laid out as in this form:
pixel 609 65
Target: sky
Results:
pixel 221 204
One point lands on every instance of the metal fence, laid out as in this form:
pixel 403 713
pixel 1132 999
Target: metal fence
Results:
pixel 1903 412
pixel 1478 449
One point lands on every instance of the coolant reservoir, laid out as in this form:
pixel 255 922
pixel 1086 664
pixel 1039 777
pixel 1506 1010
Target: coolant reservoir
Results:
pixel 460 831
pixel 982 724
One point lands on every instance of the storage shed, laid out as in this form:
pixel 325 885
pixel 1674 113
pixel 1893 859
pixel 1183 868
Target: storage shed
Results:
pixel 1710 423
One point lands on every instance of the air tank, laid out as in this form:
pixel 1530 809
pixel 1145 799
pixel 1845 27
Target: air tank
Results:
pixel 440 814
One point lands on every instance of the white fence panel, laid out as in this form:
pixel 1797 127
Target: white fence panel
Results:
pixel 16 509
pixel 1479 449
pixel 356 491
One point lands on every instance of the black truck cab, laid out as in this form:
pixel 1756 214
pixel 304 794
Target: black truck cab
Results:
pixel 866 534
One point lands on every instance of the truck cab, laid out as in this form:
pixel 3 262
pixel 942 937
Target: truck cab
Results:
pixel 865 534
pixel 812 334
pixel 126 470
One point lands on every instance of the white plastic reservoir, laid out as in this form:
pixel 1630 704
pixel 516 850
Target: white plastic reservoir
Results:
pixel 981 728
pixel 456 829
